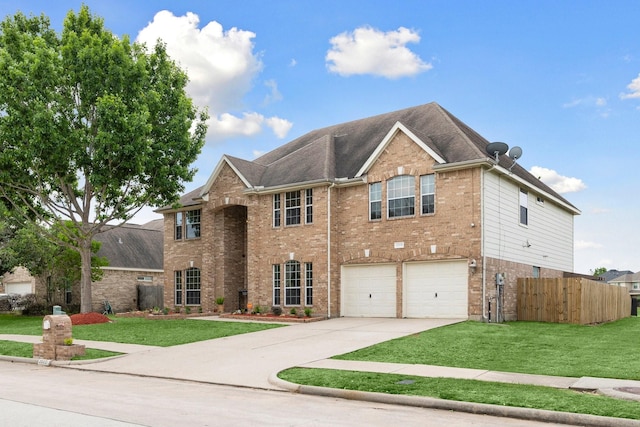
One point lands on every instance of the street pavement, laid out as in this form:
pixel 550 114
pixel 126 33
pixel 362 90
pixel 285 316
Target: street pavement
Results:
pixel 253 360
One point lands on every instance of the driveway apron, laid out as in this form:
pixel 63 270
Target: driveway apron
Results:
pixel 248 360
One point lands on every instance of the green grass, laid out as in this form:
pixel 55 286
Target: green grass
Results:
pixel 20 349
pixel 468 391
pixel 609 350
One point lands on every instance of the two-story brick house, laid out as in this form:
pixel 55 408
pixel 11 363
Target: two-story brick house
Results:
pixel 404 214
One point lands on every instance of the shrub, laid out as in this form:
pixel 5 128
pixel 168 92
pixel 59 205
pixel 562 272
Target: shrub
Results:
pixel 257 310
pixel 187 310
pixel 276 310
pixel 307 312
pixel 293 311
pixel 30 305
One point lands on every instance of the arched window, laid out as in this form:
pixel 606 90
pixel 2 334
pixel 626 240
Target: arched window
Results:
pixel 401 197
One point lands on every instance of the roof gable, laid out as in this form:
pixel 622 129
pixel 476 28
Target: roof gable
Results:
pixel 253 170
pixel 398 127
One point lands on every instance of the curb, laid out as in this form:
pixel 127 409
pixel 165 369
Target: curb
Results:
pixel 450 405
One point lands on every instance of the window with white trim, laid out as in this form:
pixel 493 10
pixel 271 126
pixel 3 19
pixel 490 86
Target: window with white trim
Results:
pixel 276 284
pixel 178 228
pixel 308 206
pixel 375 201
pixel 276 210
pixel 193 224
pixel 292 283
pixel 292 207
pixel 524 207
pixel 308 284
pixel 187 224
pixel 428 194
pixel 145 278
pixel 177 283
pixel 192 286
pixel 401 196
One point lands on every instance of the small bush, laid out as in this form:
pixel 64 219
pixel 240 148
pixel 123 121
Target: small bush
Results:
pixel 276 310
pixel 30 305
pixel 257 310
pixel 187 310
pixel 293 311
pixel 307 312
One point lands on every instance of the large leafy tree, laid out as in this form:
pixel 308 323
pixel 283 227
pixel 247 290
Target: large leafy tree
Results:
pixel 92 127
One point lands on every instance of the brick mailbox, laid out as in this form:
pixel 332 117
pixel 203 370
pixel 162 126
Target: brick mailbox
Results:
pixel 57 340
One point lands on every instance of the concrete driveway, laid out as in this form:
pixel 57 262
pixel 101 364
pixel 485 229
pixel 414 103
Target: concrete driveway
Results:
pixel 249 359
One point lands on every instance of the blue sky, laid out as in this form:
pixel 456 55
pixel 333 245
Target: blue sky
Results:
pixel 561 79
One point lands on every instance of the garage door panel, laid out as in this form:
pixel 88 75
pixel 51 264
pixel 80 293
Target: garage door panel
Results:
pixel 436 289
pixel 368 290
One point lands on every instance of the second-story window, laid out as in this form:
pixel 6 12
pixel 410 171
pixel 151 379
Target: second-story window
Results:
pixel 292 207
pixel 428 194
pixel 308 206
pixel 187 225
pixel 401 196
pixel 179 220
pixel 375 200
pixel 276 210
pixel 193 224
pixel 524 207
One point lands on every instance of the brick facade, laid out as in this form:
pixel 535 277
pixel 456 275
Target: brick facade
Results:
pixel 239 244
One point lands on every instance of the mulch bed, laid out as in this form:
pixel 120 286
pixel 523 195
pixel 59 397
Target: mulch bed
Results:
pixel 88 318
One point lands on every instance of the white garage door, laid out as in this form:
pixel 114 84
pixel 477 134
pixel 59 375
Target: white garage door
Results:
pixel 368 290
pixel 18 288
pixel 435 289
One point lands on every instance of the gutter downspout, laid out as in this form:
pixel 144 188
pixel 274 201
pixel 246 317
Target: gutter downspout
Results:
pixel 483 254
pixel 329 249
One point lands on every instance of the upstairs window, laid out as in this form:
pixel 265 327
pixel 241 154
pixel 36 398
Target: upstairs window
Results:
pixel 292 207
pixel 428 194
pixel 193 224
pixel 308 206
pixel 187 225
pixel 524 209
pixel 401 196
pixel 375 201
pixel 178 232
pixel 276 210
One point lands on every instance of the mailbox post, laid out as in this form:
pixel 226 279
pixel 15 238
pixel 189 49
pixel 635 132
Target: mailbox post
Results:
pixel 57 340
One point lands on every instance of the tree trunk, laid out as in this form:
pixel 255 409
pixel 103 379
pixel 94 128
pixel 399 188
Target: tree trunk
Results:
pixel 85 276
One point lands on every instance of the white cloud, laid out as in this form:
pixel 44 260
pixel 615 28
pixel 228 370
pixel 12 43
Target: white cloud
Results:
pixel 221 65
pixel 274 95
pixel 250 124
pixel 634 88
pixel 583 244
pixel 279 126
pixel 367 50
pixel 293 63
pixel 559 183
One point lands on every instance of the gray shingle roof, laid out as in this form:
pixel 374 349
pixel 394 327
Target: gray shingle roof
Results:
pixel 133 246
pixel 341 150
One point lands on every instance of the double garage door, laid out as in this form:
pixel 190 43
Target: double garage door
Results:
pixel 429 289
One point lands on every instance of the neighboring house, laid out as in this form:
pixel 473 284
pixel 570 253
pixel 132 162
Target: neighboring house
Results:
pixel 134 253
pixel 399 215
pixel 629 280
pixel 135 258
pixel 609 275
pixel 18 281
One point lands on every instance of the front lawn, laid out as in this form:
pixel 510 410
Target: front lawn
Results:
pixel 609 350
pixel 20 349
pixel 516 395
pixel 163 333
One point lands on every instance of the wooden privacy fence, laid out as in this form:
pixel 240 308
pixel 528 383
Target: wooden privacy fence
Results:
pixel 571 300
